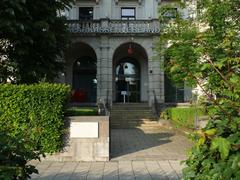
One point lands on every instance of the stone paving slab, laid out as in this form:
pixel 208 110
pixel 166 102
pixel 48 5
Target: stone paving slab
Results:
pixel 122 170
pixel 137 155
pixel 147 145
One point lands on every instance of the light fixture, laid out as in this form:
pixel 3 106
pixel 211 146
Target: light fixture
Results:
pixel 130 49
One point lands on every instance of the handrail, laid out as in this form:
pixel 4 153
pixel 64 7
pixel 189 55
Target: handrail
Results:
pixel 156 105
pixel 103 107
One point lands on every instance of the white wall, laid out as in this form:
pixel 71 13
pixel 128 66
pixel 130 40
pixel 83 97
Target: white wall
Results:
pixel 112 10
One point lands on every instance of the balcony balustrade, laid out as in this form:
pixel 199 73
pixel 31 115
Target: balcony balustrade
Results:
pixel 106 26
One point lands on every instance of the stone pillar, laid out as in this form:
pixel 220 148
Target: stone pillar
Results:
pixel 104 72
pixel 156 78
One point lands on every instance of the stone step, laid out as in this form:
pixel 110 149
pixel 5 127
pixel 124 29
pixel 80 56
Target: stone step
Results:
pixel 137 117
pixel 134 122
pixel 132 107
pixel 144 121
pixel 137 127
pixel 132 115
pixel 131 110
pixel 126 126
pixel 130 104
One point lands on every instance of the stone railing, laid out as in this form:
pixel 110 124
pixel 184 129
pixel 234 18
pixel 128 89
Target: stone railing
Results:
pixel 106 26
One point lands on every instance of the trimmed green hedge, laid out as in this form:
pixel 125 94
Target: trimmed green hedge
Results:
pixel 182 117
pixel 82 111
pixel 37 110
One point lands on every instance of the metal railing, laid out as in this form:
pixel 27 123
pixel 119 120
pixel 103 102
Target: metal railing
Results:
pixel 156 108
pixel 103 108
pixel 107 26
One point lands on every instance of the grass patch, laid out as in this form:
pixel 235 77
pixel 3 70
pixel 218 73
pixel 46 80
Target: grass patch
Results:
pixel 82 111
pixel 182 117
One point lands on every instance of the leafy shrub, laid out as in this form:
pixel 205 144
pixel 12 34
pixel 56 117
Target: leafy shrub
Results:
pixel 204 51
pixel 81 111
pixel 36 109
pixel 183 117
pixel 14 156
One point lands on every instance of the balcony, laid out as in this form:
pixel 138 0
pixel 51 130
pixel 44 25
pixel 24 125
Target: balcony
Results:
pixel 106 26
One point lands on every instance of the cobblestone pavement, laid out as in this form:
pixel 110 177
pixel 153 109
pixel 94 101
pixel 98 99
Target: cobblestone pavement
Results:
pixel 136 154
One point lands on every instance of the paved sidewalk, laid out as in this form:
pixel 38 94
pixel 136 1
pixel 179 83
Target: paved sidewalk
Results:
pixel 122 170
pixel 137 144
pixel 136 155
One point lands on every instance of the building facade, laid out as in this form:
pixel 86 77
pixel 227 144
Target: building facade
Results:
pixel 112 56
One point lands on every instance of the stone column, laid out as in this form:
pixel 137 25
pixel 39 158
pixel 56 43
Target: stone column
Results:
pixel 156 78
pixel 104 72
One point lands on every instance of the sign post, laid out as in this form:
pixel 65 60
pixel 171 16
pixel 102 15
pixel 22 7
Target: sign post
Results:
pixel 124 93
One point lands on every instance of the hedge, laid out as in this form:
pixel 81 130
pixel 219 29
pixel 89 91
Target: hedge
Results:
pixel 37 110
pixel 183 117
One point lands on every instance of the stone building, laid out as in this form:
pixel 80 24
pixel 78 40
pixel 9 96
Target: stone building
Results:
pixel 112 57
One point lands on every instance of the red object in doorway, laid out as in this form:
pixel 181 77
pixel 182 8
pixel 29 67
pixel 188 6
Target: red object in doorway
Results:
pixel 79 96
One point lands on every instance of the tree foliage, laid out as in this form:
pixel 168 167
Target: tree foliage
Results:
pixel 205 51
pixel 32 38
pixel 14 157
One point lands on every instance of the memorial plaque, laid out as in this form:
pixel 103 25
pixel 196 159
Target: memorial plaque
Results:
pixel 84 130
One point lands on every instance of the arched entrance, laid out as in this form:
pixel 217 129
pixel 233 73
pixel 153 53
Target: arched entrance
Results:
pixel 127 80
pixel 81 72
pixel 130 74
pixel 84 79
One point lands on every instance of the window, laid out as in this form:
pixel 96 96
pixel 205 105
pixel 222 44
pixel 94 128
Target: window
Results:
pixel 85 13
pixel 170 13
pixel 128 13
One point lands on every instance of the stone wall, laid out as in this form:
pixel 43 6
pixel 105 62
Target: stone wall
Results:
pixel 85 146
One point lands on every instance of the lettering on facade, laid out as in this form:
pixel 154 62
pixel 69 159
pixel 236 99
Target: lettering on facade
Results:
pixel 77 28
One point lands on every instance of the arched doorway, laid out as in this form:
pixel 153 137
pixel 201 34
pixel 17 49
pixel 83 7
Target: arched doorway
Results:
pixel 130 74
pixel 127 80
pixel 84 79
pixel 81 72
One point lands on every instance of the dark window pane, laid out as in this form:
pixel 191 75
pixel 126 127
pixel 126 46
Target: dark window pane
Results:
pixel 86 13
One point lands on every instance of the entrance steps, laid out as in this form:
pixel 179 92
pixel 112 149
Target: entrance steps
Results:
pixel 133 115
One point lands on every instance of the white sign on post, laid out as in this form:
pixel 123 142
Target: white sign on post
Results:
pixel 124 93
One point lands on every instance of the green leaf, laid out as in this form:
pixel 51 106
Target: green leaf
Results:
pixel 222 145
pixel 211 132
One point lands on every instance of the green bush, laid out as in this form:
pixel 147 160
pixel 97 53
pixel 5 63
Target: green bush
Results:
pixel 37 110
pixel 14 156
pixel 82 111
pixel 183 117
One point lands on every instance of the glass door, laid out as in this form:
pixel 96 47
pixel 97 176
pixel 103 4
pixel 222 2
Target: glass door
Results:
pixel 127 82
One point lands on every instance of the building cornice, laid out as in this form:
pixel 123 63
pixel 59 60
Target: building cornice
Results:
pixel 139 1
pixel 97 1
